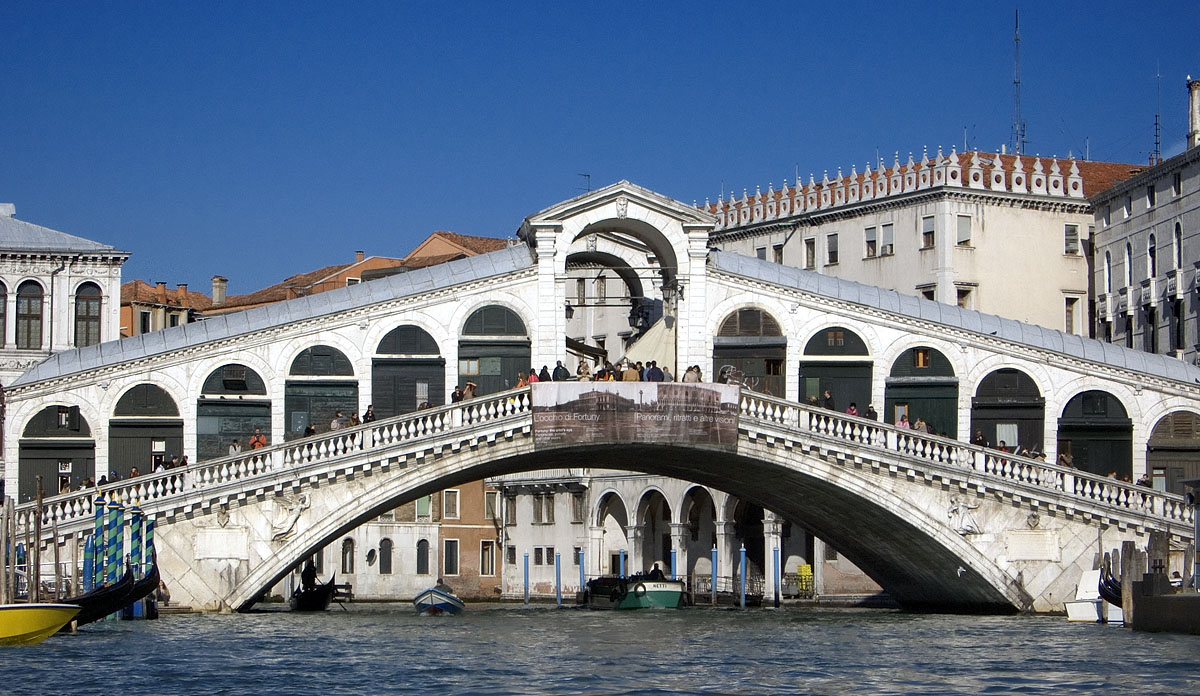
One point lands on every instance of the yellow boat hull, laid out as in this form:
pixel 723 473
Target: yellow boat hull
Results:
pixel 26 624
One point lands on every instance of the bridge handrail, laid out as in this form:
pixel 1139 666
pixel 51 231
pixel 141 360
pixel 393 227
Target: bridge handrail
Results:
pixel 861 431
pixel 286 456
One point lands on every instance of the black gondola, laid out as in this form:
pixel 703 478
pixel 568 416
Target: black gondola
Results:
pixel 1109 587
pixel 105 599
pixel 141 589
pixel 315 599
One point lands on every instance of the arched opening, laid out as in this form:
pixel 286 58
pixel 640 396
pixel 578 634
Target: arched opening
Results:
pixel 836 361
pixel 57 445
pixel 1096 433
pixel 1151 256
pixel 29 315
pixel 144 431
pixel 747 521
pixel 320 384
pixel 922 386
pixel 700 514
pixel 751 349
pixel 3 314
pixel 493 348
pixel 407 371
pixel 613 519
pixel 1173 453
pixel 233 404
pixel 423 557
pixel 347 556
pixel 1008 407
pixel 654 520
pixel 385 556
pixel 87 315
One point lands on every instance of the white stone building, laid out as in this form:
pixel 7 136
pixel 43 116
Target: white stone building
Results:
pixel 57 291
pixel 997 233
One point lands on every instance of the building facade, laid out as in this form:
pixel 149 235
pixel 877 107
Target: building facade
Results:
pixel 57 291
pixel 1003 234
pixel 146 308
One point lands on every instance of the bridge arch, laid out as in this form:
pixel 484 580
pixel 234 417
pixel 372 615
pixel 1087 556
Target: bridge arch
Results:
pixel 321 381
pixel 652 233
pixel 839 360
pixel 55 434
pixel 1094 428
pixel 751 340
pixel 232 402
pixel 145 430
pixel 407 370
pixel 1173 450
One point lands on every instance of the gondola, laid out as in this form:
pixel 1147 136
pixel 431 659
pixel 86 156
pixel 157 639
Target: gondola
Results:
pixel 315 599
pixel 105 599
pixel 141 589
pixel 1110 587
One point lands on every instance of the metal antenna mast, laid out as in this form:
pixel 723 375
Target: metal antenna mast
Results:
pixel 588 180
pixel 1157 157
pixel 1018 127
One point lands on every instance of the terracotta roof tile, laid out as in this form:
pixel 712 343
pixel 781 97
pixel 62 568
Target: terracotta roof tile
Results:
pixel 142 292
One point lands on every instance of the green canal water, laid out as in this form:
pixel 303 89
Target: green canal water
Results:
pixel 504 649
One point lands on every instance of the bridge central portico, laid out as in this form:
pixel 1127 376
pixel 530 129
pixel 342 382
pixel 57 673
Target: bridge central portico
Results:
pixel 934 520
pixel 940 524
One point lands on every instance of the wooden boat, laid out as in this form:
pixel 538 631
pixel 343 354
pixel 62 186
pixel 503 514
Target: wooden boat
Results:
pixel 634 592
pixel 26 624
pixel 435 602
pixel 105 599
pixel 314 599
pixel 142 589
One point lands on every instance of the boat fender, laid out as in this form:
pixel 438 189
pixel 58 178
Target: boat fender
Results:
pixel 639 590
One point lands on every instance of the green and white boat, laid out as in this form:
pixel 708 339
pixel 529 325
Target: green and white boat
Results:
pixel 634 592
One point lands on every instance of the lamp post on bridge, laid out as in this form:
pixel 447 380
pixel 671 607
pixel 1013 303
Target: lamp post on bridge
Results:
pixel 1193 499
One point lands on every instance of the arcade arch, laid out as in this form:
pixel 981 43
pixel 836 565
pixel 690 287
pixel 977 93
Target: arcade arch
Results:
pixel 493 348
pixel 922 385
pixel 654 524
pixel 406 372
pixel 751 348
pixel 1173 452
pixel 612 520
pixel 836 360
pixel 144 431
pixel 320 383
pixel 1008 407
pixel 1096 433
pixel 57 445
pixel 233 403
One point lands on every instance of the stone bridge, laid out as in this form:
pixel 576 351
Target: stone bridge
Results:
pixel 939 524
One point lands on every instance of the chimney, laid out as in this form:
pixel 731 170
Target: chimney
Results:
pixel 8 209
pixel 1193 138
pixel 161 288
pixel 218 285
pixel 183 297
pixel 359 256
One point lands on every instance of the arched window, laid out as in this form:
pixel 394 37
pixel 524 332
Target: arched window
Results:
pixel 1128 264
pixel 87 315
pixel 1177 246
pixel 347 556
pixel 385 557
pixel 1108 271
pixel 1152 257
pixel 29 316
pixel 423 557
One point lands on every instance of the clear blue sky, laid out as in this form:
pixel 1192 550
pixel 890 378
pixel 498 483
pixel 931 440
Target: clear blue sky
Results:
pixel 260 139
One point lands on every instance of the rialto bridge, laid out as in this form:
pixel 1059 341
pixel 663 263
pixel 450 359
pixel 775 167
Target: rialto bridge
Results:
pixel 936 521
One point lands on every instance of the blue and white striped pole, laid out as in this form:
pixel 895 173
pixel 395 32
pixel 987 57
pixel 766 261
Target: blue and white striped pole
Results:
pixel 743 573
pixel 98 545
pixel 89 563
pixel 558 577
pixel 136 520
pixel 110 546
pixel 527 577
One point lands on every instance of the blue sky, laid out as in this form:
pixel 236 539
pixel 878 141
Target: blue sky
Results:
pixel 260 139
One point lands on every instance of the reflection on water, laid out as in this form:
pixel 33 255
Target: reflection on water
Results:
pixel 504 649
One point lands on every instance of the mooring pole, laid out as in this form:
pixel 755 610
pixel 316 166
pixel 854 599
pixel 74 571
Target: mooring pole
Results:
pixel 582 576
pixel 622 562
pixel 713 585
pixel 673 576
pixel 558 577
pixel 743 573
pixel 527 577
pixel 35 552
pixel 778 578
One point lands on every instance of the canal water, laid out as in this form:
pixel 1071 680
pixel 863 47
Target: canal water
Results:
pixel 504 649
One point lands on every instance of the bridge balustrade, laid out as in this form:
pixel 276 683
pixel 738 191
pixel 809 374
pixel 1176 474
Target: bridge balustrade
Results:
pixel 863 432
pixel 297 456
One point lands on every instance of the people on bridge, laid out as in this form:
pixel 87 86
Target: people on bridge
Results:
pixel 828 403
pixel 544 374
pixel 310 429
pixel 456 395
pixel 369 415
pixel 533 375
pixel 903 422
pixel 979 440
pixel 584 371
pixel 235 447
pixel 469 391
pixel 852 410
pixel 338 421
pixel 354 421
pixel 654 373
pixel 667 376
pixel 871 413
pixel 308 576
pixel 560 373
pixel 523 381
pixel 258 440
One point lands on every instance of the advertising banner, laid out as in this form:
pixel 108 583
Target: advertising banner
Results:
pixel 575 413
